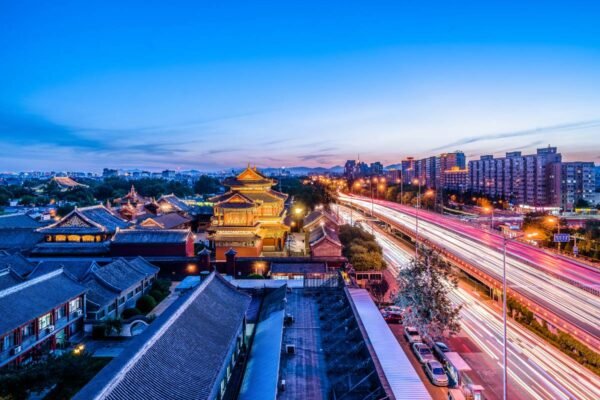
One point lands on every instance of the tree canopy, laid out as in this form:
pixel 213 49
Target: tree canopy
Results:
pixel 425 286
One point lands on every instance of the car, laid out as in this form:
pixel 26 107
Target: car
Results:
pixel 442 346
pixel 392 314
pixel 423 352
pixel 435 372
pixel 412 335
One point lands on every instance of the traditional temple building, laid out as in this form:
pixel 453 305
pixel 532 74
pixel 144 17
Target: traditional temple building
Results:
pixel 249 217
pixel 84 231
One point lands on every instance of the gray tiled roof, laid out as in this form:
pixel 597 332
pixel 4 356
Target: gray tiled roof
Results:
pixel 18 221
pixel 119 274
pixel 99 293
pixel 151 236
pixel 144 266
pixel 182 354
pixel 76 268
pixel 70 248
pixel 324 231
pixel 96 219
pixel 17 263
pixel 168 221
pixel 19 238
pixel 23 305
pixel 174 201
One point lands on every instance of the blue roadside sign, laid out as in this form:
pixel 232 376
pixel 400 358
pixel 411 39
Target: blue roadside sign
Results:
pixel 562 237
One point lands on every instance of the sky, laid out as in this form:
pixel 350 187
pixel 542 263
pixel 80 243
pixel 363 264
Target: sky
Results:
pixel 213 85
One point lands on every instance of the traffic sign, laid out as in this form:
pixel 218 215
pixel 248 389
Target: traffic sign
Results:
pixel 562 238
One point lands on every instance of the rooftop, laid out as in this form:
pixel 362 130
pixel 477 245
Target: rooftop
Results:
pixel 182 354
pixel 151 236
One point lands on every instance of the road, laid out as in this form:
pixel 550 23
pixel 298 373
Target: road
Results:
pixel 536 369
pixel 572 304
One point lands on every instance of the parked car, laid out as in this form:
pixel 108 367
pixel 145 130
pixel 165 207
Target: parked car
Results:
pixel 442 346
pixel 436 373
pixel 423 352
pixel 439 349
pixel 412 335
pixel 392 314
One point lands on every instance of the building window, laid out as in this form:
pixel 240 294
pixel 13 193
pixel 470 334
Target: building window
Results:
pixel 111 307
pixel 129 295
pixel 73 238
pixel 138 289
pixel 87 238
pixel 75 305
pixel 60 238
pixel 100 314
pixel 28 331
pixel 122 300
pixel 62 312
pixel 8 342
pixel 45 321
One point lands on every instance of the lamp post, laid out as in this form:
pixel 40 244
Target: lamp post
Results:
pixel 555 220
pixel 504 325
pixel 418 183
pixel 491 211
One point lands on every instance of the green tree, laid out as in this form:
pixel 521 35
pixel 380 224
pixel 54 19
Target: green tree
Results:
pixel 207 185
pixel 425 286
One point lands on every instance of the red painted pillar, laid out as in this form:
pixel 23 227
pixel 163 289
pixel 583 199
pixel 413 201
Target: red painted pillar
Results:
pixel 68 308
pixel 36 328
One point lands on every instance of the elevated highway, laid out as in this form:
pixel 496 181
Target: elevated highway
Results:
pixel 559 290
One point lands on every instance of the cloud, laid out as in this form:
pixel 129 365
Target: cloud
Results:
pixel 527 132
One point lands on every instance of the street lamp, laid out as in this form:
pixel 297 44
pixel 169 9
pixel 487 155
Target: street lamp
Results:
pixel 555 220
pixel 490 210
pixel 505 240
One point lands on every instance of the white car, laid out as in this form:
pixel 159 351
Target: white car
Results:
pixel 412 335
pixel 435 372
pixel 423 352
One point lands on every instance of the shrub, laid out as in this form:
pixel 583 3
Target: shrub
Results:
pixel 162 285
pixel 130 312
pixel 145 304
pixel 255 276
pixel 157 295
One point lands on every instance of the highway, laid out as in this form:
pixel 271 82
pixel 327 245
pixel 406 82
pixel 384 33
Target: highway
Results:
pixel 536 369
pixel 571 304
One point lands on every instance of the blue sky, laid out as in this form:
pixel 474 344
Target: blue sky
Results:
pixel 152 84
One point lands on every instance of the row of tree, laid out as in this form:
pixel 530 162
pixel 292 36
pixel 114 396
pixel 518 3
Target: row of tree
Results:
pixel 361 249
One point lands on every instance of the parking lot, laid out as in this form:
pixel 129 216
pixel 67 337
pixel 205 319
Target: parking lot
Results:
pixel 437 393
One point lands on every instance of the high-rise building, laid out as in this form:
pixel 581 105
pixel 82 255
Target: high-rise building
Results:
pixel 532 179
pixel 376 168
pixel 350 169
pixel 577 180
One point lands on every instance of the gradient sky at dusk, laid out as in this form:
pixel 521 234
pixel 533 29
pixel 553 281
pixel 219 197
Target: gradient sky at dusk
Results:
pixel 207 85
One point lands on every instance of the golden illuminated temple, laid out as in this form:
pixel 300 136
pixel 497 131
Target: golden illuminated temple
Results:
pixel 249 217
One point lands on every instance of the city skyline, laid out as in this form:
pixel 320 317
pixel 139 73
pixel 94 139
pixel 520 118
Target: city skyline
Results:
pixel 284 86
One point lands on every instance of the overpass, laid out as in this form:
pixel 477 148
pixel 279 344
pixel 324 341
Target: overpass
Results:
pixel 559 290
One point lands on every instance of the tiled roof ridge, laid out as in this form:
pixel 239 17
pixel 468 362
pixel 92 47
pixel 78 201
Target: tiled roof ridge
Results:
pixel 27 283
pixel 120 375
pixel 95 275
pixel 137 268
pixel 81 215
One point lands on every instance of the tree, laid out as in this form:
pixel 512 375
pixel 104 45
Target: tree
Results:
pixel 145 304
pixel 206 185
pixel 425 286
pixel 378 289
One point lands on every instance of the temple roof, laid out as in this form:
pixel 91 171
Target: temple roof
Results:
pixel 184 352
pixel 132 197
pixel 249 176
pixel 324 232
pixel 170 203
pixel 156 236
pixel 70 248
pixel 165 221
pixel 22 301
pixel 86 220
pixel 64 182
pixel 20 221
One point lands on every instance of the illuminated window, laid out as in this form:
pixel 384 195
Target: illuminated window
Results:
pixel 87 238
pixel 60 238
pixel 45 321
pixel 75 304
pixel 74 238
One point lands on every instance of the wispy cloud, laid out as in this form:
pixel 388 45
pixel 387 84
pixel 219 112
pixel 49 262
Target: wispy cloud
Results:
pixel 521 133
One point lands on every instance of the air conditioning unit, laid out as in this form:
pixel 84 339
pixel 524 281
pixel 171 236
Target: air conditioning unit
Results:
pixel 16 350
pixel 290 348
pixel 50 328
pixel 79 312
